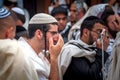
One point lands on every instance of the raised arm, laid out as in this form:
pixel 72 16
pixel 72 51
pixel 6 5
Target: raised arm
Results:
pixel 54 52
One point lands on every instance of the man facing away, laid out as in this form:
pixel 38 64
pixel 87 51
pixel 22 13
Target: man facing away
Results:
pixel 81 60
pixel 43 45
pixel 13 61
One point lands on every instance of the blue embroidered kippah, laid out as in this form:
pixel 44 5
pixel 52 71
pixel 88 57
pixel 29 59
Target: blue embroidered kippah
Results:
pixel 4 12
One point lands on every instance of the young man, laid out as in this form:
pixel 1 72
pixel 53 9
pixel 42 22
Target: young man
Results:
pixel 13 61
pixel 108 16
pixel 43 45
pixel 81 59
pixel 111 21
pixel 60 14
pixel 76 12
pixel 114 66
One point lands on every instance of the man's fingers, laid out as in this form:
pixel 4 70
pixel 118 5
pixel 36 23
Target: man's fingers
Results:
pixel 60 40
pixel 51 41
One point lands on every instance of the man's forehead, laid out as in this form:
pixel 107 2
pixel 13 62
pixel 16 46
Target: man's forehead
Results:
pixel 53 26
pixel 98 26
pixel 59 15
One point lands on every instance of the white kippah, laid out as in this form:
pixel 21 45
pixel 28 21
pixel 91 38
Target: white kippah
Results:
pixel 18 10
pixel 4 12
pixel 42 18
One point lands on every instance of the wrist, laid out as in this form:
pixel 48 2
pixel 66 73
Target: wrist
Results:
pixel 53 58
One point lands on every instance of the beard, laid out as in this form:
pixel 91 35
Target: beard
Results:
pixel 90 38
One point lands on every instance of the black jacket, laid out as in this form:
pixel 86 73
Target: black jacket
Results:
pixel 81 69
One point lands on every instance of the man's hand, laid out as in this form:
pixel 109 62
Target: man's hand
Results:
pixel 104 40
pixel 117 23
pixel 55 49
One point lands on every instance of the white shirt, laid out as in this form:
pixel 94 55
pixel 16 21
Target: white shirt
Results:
pixel 13 63
pixel 41 64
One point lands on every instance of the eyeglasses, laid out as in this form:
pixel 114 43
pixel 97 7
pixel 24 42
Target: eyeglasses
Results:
pixel 64 18
pixel 53 32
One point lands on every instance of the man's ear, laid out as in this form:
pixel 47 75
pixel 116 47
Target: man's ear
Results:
pixel 9 33
pixel 39 34
pixel 85 32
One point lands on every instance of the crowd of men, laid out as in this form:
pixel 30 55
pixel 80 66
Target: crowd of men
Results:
pixel 75 43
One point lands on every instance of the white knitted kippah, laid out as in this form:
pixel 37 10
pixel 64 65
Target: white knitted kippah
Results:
pixel 4 12
pixel 42 18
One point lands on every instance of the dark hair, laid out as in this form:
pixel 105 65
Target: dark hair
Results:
pixel 106 13
pixel 89 23
pixel 9 3
pixel 21 17
pixel 118 1
pixel 21 31
pixel 58 10
pixel 71 2
pixel 33 27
